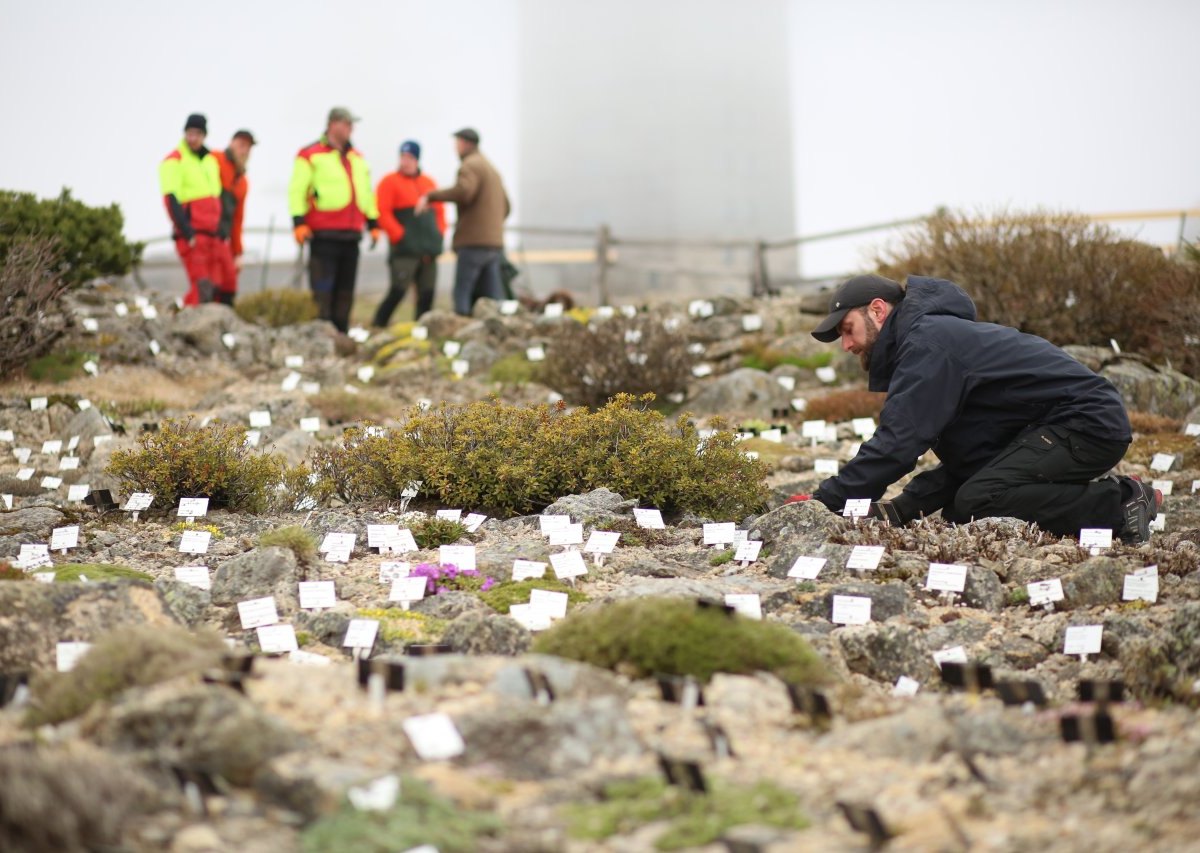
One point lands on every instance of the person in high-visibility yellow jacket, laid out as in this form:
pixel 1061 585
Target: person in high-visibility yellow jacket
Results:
pixel 331 202
pixel 190 179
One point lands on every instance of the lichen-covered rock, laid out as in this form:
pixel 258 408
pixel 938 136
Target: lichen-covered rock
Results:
pixel 488 633
pixel 885 652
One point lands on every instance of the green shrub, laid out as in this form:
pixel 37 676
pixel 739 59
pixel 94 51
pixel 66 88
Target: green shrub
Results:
pixel 276 308
pixel 762 356
pixel 692 820
pixel 134 408
pixel 96 572
pixel 590 364
pixel 398 626
pixel 514 369
pixel 180 460
pixel 503 595
pixel 839 406
pixel 1060 276
pixel 419 817
pixel 127 657
pixel 722 557
pixel 57 367
pixel 433 532
pixel 295 538
pixel 515 459
pixel 676 636
pixel 89 240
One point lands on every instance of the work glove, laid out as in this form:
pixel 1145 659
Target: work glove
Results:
pixel 887 511
pixel 376 234
pixel 797 498
pixel 302 233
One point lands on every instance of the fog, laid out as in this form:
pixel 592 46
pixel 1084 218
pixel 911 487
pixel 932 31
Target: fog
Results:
pixel 893 108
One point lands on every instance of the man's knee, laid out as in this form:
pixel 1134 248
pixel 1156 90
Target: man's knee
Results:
pixel 971 501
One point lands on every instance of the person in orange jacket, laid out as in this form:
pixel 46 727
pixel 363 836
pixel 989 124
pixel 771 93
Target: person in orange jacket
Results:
pixel 415 241
pixel 234 185
pixel 190 182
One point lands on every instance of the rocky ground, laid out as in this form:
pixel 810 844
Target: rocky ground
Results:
pixel 195 765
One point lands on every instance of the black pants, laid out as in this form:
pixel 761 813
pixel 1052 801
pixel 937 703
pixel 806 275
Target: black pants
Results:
pixel 1046 475
pixel 332 270
pixel 405 270
pixel 476 275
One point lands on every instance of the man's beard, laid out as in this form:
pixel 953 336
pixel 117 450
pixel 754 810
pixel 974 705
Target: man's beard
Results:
pixel 872 332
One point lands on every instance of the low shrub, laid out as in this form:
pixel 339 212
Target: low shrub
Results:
pixel 96 572
pixel 57 367
pixel 398 627
pixel 503 595
pixel 181 460
pixel 692 820
pixel 762 356
pixel 515 369
pixel 1060 276
pixel 419 818
pixel 277 308
pixel 295 538
pixel 20 488
pixel 676 636
pixel 1148 423
pixel 622 355
pixel 433 532
pixel 8 573
pixel 441 579
pixel 31 291
pixel 127 657
pixel 841 406
pixel 340 406
pixel 514 459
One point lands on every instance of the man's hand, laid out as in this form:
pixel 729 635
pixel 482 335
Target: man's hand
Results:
pixel 237 263
pixel 302 233
pixel 376 233
pixel 421 206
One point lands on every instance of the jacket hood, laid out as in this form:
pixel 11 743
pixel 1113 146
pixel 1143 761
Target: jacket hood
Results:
pixel 923 297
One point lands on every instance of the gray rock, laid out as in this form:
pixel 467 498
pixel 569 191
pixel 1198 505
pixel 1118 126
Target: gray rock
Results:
pixel 204 728
pixel 35 520
pixel 200 328
pixel 1098 580
pixel 887 599
pixel 256 574
pixel 596 508
pixel 294 446
pixel 527 741
pixel 442 325
pixel 88 424
pixel 568 679
pixel 312 785
pixel 885 652
pixel 1159 390
pixel 328 626
pixel 496 561
pixel 450 605
pixel 744 391
pixel 983 589
pixel 802 520
pixel 35 617
pixel 487 634
pixel 481 357
pixel 188 604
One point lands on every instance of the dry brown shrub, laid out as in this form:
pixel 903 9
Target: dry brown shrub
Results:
pixel 1148 423
pixel 31 290
pixel 1062 277
pixel 840 406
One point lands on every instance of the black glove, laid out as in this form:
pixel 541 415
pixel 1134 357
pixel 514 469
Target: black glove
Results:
pixel 887 511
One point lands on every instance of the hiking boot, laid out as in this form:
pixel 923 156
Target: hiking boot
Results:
pixel 1138 511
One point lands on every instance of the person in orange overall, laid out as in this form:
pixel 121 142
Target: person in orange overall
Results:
pixel 190 180
pixel 234 185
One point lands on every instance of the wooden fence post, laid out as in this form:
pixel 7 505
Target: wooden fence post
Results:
pixel 603 239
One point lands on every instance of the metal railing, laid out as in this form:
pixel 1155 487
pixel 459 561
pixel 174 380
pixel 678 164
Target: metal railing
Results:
pixel 606 250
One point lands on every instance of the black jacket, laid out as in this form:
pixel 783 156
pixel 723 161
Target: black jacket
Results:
pixel 964 389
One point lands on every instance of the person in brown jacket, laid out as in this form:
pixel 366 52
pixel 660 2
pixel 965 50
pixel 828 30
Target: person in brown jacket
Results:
pixel 482 205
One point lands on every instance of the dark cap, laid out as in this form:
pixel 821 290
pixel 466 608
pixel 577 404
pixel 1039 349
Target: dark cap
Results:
pixel 342 114
pixel 409 146
pixel 469 134
pixel 197 121
pixel 246 135
pixel 855 293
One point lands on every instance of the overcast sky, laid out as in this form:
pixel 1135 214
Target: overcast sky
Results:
pixel 898 107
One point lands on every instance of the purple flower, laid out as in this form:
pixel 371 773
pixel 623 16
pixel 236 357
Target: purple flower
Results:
pixel 450 570
pixel 487 584
pixel 441 590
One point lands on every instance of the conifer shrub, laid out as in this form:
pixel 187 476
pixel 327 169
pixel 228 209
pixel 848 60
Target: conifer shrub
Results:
pixel 295 538
pixel 511 460
pixel 1062 277
pixel 136 656
pixel 590 364
pixel 433 532
pixel 676 636
pixel 277 308
pixel 841 406
pixel 184 460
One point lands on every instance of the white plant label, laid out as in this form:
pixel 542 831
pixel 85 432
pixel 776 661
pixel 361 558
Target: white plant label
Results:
pixel 813 429
pixel 523 570
pixel 91 324
pixel 260 419
pixel 434 737
pixel 1162 462
pixel 552 604
pixel 572 534
pixel 196 576
pixel 78 492
pixel 68 463
pixel 338 555
pixel 194 542
pixel 138 501
pixel 806 568
pixel 461 556
pixel 702 370
pixel 7 435
pixel 953 654
pixel 1191 429
pixel 508 307
pixel 377 796
pixel 66 655
pixel 62 538
pixel 1045 592
pixel 774 435
pixel 8 500
pixel 257 611
pixel 389 571
pixel 851 610
pixel 379 535
pixel 826 466
pixel 51 482
pixel 253 437
pixel 751 323
pixel 946 577
pixel 1164 486
pixel 827 375
pixel 310 424
pixel 719 533
pixel 408 589
pixel 33 555
pixel 863 427
pixel 420 333
pixel 1095 537
pixel 52 447
pixel 449 514
pixel 568 564
pixel 192 507
pixel 748 604
pixel 22 454
pixel 451 348
pixel 787 383
pixel 293 361
pixel 26 473
pixel 73 443
pixel 38 404
pixel 155 349
pixel 530 617
pixel 277 638
pixel 460 367
pixel 1083 640
pixel 229 340
pixel 360 633
pixel 865 557
pixel 338 542
pixel 314 594
pixel 857 508
pixel 553 309
pixel 547 524
pixel 1140 587
pixel 650 519
pixel 906 686
pixel 601 542
pixel 747 552
pixel 535 353
pixel 799 404
pixel 1159 522
pixel 473 521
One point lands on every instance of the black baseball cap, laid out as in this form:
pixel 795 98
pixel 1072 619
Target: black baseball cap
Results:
pixel 851 294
